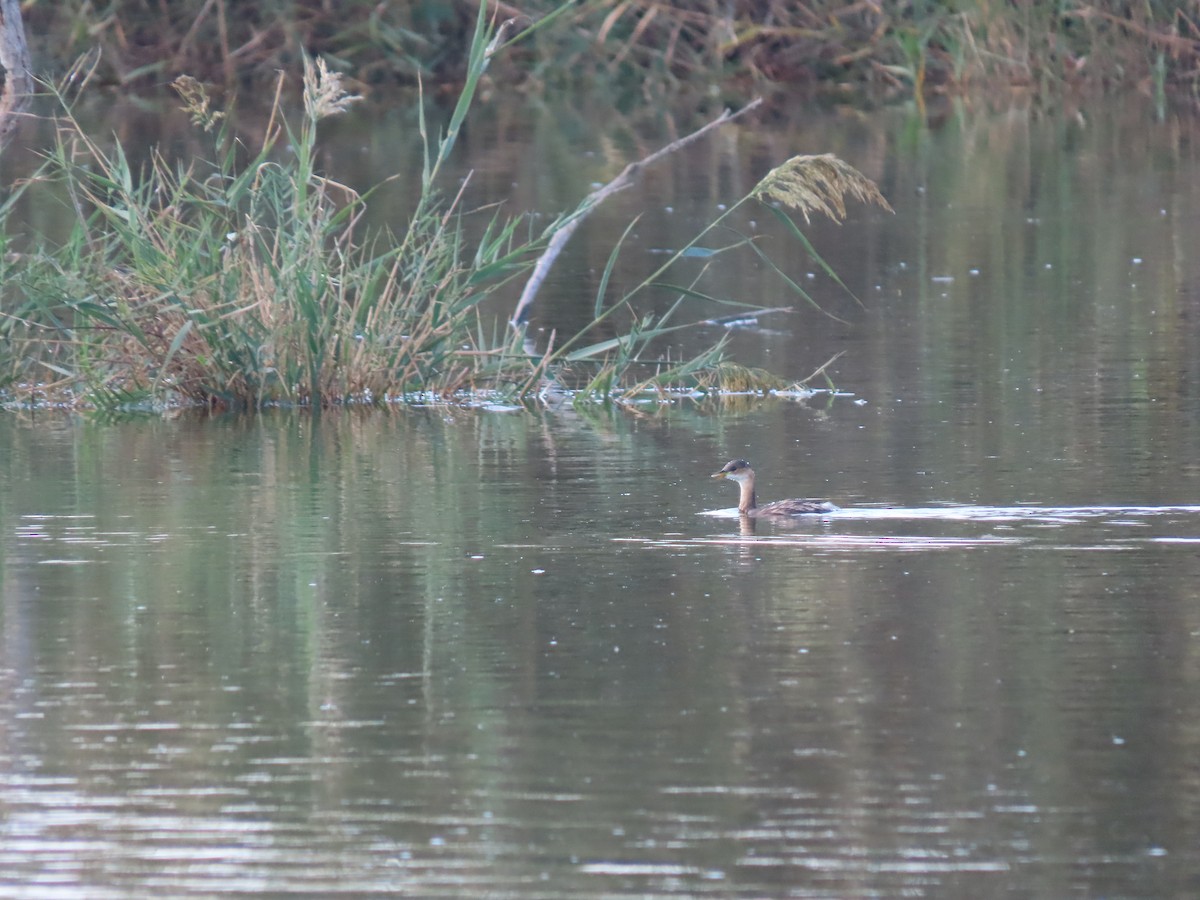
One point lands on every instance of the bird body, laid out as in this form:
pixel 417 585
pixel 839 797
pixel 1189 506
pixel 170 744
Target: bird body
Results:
pixel 739 470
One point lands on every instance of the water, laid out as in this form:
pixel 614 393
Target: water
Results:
pixel 458 653
pixel 502 655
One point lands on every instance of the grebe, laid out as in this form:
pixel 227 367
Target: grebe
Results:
pixel 739 470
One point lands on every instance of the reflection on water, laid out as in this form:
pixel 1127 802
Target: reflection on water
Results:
pixel 483 653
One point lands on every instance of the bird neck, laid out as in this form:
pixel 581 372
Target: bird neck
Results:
pixel 747 500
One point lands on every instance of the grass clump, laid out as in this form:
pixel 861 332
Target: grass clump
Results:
pixel 243 281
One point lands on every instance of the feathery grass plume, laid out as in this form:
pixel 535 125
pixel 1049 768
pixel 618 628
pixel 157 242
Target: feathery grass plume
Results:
pixel 323 91
pixel 818 184
pixel 196 102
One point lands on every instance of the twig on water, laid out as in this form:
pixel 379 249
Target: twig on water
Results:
pixel 820 370
pixel 625 179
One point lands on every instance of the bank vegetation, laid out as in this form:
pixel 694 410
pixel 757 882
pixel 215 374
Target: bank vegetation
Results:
pixel 640 46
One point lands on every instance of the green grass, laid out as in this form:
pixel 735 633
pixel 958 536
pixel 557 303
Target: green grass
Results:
pixel 250 280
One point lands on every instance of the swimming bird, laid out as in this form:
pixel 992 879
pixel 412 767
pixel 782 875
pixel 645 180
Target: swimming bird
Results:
pixel 739 470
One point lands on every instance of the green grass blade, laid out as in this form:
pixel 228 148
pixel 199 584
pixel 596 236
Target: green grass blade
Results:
pixel 811 251
pixel 608 270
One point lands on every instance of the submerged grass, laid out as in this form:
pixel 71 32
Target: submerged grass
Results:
pixel 249 279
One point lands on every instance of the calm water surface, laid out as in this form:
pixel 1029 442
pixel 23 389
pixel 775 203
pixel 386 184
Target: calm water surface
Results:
pixel 477 653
